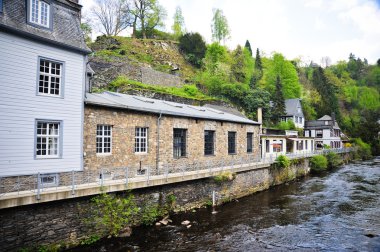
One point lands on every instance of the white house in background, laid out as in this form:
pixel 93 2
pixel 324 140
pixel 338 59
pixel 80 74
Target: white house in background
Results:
pixel 326 132
pixel 43 60
pixel 293 109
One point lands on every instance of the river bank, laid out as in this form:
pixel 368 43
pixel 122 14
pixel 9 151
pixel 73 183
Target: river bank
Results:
pixel 331 212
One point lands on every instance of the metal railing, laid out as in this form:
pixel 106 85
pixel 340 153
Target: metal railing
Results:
pixel 74 180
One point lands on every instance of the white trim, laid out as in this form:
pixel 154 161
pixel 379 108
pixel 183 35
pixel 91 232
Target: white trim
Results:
pixel 139 144
pixel 102 138
pixel 38 18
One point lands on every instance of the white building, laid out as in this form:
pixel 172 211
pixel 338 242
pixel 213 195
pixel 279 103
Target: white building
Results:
pixel 293 109
pixel 326 132
pixel 43 60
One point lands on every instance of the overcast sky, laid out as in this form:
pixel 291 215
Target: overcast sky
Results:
pixel 310 29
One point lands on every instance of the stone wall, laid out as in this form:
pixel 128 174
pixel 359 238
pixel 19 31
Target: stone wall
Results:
pixel 123 139
pixel 61 221
pixel 151 76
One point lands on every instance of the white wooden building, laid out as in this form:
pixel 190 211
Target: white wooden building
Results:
pixel 326 132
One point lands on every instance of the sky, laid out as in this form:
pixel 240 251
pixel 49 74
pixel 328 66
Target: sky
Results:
pixel 305 29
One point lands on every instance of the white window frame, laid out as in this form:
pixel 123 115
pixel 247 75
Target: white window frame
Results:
pixel 141 140
pixel 50 75
pixel 48 136
pixel 39 6
pixel 54 177
pixel 102 137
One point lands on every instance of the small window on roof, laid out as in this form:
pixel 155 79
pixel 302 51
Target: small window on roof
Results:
pixel 39 13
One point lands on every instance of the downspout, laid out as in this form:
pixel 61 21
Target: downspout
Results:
pixel 158 142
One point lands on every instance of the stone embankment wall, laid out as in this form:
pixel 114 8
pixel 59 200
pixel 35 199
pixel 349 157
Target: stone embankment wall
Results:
pixel 62 221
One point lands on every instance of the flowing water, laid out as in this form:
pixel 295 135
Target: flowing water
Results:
pixel 338 211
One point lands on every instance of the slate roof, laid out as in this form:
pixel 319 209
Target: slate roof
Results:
pixel 325 118
pixel 143 104
pixel 291 107
pixel 65 31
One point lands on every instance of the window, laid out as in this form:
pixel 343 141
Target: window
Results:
pixel 231 142
pixel 1 6
pixel 179 143
pixel 296 121
pixel 319 133
pixel 47 139
pixel 48 180
pixel 209 142
pixel 249 142
pixel 267 146
pixel 103 139
pixel 141 140
pixel 39 13
pixel 300 145
pixel 300 120
pixel 50 77
pixel 318 145
pixel 277 146
pixel 306 144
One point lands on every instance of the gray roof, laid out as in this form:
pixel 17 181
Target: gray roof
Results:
pixel 143 104
pixel 291 107
pixel 65 31
pixel 325 118
pixel 229 110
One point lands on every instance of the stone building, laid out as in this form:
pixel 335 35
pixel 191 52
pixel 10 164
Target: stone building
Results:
pixel 129 131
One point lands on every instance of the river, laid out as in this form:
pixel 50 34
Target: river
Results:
pixel 337 211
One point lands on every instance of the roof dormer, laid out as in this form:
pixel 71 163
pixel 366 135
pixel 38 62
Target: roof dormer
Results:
pixel 39 13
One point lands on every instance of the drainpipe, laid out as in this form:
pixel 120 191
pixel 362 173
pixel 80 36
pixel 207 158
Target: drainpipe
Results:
pixel 158 142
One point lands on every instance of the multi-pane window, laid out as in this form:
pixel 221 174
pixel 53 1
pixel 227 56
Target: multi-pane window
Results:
pixel 50 80
pixel 39 13
pixel 231 142
pixel 47 142
pixel 141 139
pixel 249 142
pixel 319 133
pixel 103 139
pixel 209 142
pixel 179 143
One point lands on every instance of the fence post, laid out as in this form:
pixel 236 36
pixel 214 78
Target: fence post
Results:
pixel 72 182
pixel 38 186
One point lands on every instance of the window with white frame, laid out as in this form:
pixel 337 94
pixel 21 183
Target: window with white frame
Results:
pixel 50 77
pixel 103 139
pixel 39 13
pixel 47 139
pixel 141 140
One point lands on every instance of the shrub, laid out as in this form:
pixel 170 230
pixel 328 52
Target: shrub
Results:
pixel 318 163
pixel 289 125
pixel 224 176
pixel 283 161
pixel 334 160
pixel 150 213
pixel 191 90
pixel 194 48
pixel 363 149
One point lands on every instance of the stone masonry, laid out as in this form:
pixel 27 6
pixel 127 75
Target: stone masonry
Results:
pixel 124 123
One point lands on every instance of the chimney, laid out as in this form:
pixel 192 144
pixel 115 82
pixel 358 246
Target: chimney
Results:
pixel 333 117
pixel 260 115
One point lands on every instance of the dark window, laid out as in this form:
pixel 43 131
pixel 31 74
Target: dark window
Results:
pixel 231 142
pixel 1 5
pixel 249 142
pixel 267 146
pixel 319 133
pixel 209 142
pixel 179 143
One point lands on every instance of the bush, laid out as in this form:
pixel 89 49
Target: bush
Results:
pixel 363 149
pixel 150 213
pixel 318 163
pixel 194 48
pixel 283 161
pixel 334 160
pixel 289 125
pixel 224 176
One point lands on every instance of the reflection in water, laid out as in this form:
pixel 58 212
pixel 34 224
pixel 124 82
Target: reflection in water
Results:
pixel 335 212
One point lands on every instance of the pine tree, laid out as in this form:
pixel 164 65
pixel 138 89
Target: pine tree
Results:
pixel 258 72
pixel 258 64
pixel 248 46
pixel 278 100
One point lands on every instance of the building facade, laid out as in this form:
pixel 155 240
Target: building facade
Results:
pixel 43 61
pixel 326 132
pixel 293 109
pixel 140 133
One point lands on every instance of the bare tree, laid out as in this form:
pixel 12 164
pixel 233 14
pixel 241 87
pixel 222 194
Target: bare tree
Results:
pixel 113 15
pixel 325 62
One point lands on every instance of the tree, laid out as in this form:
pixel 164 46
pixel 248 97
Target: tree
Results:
pixel 325 62
pixel 258 63
pixel 219 26
pixel 194 47
pixel 248 46
pixel 112 15
pixel 178 26
pixel 258 72
pixel 238 65
pixel 216 58
pixel 148 14
pixel 87 31
pixel 254 99
pixel 278 100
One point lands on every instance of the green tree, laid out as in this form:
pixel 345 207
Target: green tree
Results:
pixel 238 66
pixel 219 26
pixel 178 26
pixel 87 31
pixel 194 48
pixel 248 46
pixel 217 59
pixel 257 98
pixel 278 108
pixel 258 71
pixel 258 63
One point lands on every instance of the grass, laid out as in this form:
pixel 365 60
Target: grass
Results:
pixel 186 91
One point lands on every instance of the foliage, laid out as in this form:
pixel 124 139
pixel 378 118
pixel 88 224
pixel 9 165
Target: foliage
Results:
pixel 150 213
pixel 238 65
pixel 283 161
pixel 224 176
pixel 288 125
pixel 333 159
pixel 90 240
pixel 278 108
pixel 248 47
pixel 217 59
pixel 257 98
pixel 318 163
pixel 187 91
pixel 219 26
pixel 87 31
pixel 178 26
pixel 111 213
pixel 363 149
pixel 194 48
